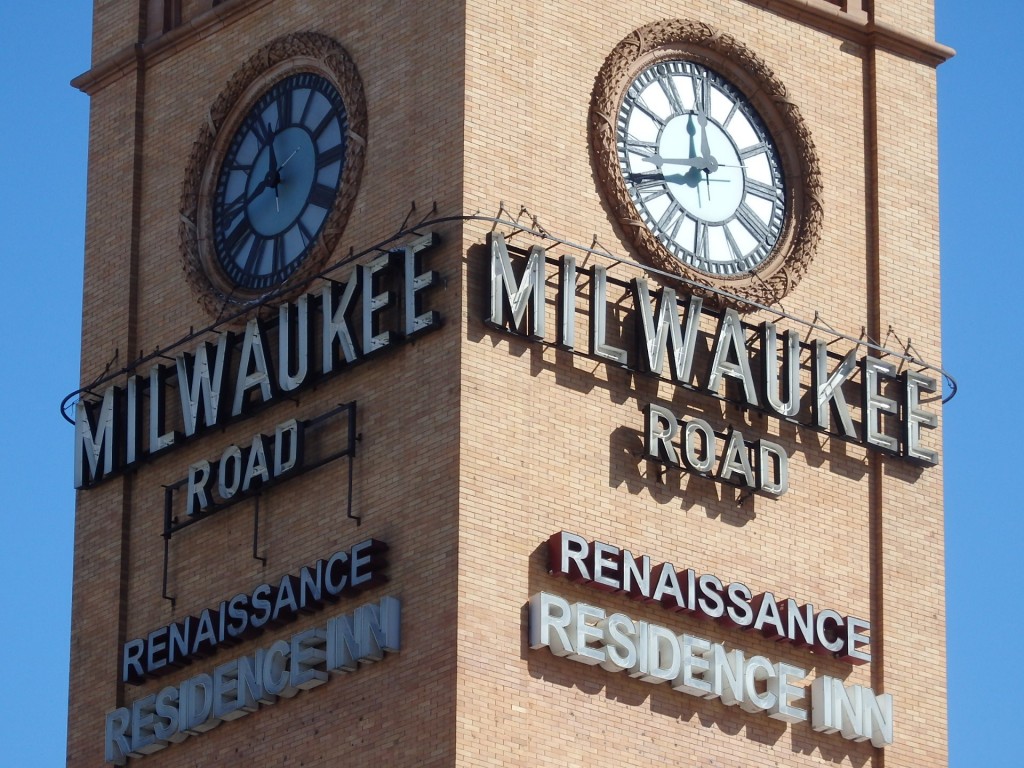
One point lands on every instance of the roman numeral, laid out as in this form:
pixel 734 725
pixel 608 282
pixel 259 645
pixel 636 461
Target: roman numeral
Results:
pixel 322 196
pixel 639 104
pixel 639 179
pixel 330 156
pixel 668 85
pixel 643 148
pixel 279 253
pixel 701 92
pixel 752 150
pixel 732 113
pixel 252 259
pixel 700 248
pixel 650 188
pixel 764 191
pixel 737 253
pixel 305 107
pixel 750 221
pixel 281 103
pixel 331 115
pixel 234 239
pixel 229 212
pixel 259 130
pixel 671 220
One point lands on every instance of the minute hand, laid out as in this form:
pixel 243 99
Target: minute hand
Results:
pixel 702 121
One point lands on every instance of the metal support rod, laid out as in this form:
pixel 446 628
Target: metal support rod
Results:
pixel 167 541
pixel 353 436
pixel 256 530
pixel 495 221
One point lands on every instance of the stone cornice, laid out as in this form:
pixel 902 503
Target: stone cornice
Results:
pixel 855 25
pixel 131 57
pixel 852 24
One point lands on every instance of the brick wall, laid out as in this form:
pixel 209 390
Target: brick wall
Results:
pixel 477 445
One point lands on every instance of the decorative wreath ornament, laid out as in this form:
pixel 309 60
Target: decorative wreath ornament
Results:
pixel 673 165
pixel 273 174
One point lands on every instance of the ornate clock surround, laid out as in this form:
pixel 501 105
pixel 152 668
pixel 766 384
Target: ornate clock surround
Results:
pixel 275 61
pixel 703 44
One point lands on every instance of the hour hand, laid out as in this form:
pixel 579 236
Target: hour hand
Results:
pixel 700 163
pixel 638 178
pixel 270 146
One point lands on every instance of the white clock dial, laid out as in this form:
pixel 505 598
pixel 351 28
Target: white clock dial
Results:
pixel 700 168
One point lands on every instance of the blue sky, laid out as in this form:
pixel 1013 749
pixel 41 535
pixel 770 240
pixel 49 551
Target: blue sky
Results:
pixel 43 136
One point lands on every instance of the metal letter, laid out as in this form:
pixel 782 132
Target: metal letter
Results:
pixel 829 389
pixel 256 470
pixel 293 344
pixel 730 336
pixel 373 338
pixel 736 460
pixel 157 441
pixel 101 441
pixel 417 321
pixel 200 478
pixel 782 397
pixel 915 417
pixel 133 421
pixel 693 460
pixel 567 303
pixel 287 446
pixel 505 290
pixel 550 615
pixel 872 369
pixel 230 462
pixel 336 322
pixel 652 335
pixel 254 357
pixel 660 427
pixel 198 385
pixel 599 320
pixel 781 687
pixel 772 456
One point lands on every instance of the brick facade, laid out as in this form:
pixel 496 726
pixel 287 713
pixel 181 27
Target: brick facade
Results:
pixel 478 444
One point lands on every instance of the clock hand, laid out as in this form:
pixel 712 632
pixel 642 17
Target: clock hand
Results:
pixel 711 164
pixel 691 131
pixel 278 179
pixel 258 190
pixel 700 163
pixel 289 158
pixel 273 177
pixel 675 178
pixel 705 148
pixel 655 176
pixel 270 146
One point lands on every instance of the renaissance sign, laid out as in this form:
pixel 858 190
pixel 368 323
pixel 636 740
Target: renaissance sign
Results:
pixel 241 686
pixel 610 568
pixel 695 666
pixel 245 615
pixel 713 352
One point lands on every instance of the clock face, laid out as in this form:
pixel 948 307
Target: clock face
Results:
pixel 279 181
pixel 700 168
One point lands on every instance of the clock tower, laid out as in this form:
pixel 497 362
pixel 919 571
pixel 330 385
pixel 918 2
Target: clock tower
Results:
pixel 477 383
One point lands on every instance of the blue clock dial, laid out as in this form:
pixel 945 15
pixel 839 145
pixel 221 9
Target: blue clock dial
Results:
pixel 279 181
